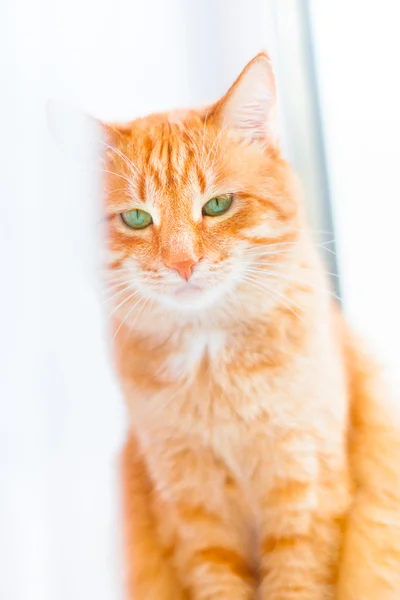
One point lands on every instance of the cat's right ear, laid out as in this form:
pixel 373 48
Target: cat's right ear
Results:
pixel 249 106
pixel 80 137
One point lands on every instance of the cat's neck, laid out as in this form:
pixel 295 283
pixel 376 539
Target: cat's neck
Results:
pixel 171 344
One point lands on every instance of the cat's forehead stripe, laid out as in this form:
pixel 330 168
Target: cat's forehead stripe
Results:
pixel 172 161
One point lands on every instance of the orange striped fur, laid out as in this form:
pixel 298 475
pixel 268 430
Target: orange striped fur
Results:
pixel 264 458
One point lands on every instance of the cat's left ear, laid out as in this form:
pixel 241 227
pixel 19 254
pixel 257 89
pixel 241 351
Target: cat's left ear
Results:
pixel 250 104
pixel 80 137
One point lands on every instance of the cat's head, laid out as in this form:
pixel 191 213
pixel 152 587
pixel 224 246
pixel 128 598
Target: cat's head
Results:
pixel 199 201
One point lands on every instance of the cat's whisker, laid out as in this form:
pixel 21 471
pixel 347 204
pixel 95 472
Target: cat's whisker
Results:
pixel 146 301
pixel 112 273
pixel 294 280
pixel 120 279
pixel 105 293
pixel 125 289
pixel 114 310
pixel 235 298
pixel 255 277
pixel 268 247
pixel 279 244
pixel 119 191
pixel 131 328
pixel 269 253
pixel 114 283
pixel 117 175
pixel 267 258
pixel 263 263
pixel 127 161
pixel 127 315
pixel 115 280
pixel 313 231
pixel 119 270
pixel 204 133
pixel 116 276
pixel 327 249
pixel 194 147
pixel 213 145
pixel 288 246
pixel 262 286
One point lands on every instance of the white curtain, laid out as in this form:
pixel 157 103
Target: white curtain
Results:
pixel 357 48
pixel 61 415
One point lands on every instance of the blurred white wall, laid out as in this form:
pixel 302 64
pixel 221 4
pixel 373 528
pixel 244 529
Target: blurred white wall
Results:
pixel 61 415
pixel 62 419
pixel 123 59
pixel 357 50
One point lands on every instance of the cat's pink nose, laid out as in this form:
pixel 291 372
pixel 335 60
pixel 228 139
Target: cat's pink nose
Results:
pixel 184 267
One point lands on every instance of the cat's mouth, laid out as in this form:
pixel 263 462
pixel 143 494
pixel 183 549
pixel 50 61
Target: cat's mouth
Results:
pixel 190 296
pixel 196 294
pixel 187 290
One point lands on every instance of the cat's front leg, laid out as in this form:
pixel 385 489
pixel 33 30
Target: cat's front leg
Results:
pixel 370 560
pixel 300 529
pixel 149 573
pixel 210 551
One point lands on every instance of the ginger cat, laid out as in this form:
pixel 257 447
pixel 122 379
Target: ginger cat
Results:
pixel 264 454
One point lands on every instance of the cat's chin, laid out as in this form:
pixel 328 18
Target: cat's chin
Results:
pixel 188 291
pixel 190 297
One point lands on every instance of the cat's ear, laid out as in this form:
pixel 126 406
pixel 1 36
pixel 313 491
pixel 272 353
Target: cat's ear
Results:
pixel 250 104
pixel 80 137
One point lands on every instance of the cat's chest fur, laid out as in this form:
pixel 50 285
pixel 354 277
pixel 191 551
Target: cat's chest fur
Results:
pixel 207 397
pixel 183 362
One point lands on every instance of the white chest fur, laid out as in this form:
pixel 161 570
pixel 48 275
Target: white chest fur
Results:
pixel 181 363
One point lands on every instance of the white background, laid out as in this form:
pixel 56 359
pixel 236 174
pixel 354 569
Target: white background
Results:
pixel 62 420
pixel 357 49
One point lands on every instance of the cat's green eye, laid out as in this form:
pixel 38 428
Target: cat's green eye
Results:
pixel 136 219
pixel 217 206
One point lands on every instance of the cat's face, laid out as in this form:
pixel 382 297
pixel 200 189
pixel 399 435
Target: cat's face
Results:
pixel 198 201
